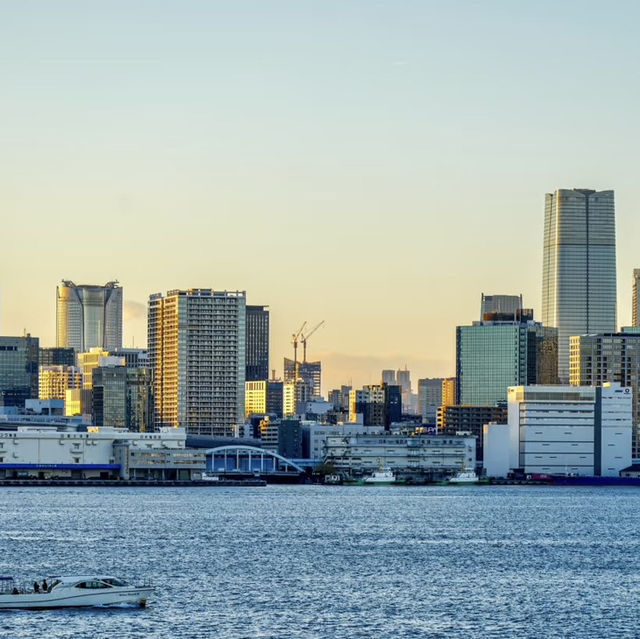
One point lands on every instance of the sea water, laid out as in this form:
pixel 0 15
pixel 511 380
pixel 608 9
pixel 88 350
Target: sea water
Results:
pixel 333 562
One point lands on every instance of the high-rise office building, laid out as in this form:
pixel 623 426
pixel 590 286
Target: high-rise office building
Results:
pixel 499 304
pixel 54 356
pixel 579 267
pixel 257 352
pixel 197 354
pixel 609 357
pixel 388 376
pixel 635 300
pixel 19 358
pixel 492 355
pixel 429 398
pixel 89 316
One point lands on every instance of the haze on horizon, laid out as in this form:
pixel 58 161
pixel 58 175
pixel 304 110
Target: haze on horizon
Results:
pixel 377 165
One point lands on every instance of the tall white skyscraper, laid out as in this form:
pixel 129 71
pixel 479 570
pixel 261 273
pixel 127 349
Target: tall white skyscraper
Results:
pixel 579 266
pixel 89 316
pixel 197 354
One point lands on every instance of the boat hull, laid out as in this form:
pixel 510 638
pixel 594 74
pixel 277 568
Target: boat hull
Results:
pixel 43 601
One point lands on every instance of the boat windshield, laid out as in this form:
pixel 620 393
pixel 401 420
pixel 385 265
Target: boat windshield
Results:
pixel 54 584
pixel 115 582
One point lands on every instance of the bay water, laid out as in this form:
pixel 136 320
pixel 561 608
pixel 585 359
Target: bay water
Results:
pixel 333 562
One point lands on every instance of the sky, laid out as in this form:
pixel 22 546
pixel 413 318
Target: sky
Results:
pixel 377 165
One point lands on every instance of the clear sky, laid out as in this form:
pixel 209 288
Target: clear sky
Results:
pixel 374 164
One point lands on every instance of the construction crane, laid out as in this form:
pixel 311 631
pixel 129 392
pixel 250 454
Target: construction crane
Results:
pixel 305 338
pixel 294 341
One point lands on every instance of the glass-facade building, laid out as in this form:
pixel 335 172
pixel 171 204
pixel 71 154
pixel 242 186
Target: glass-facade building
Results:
pixel 89 316
pixel 19 358
pixel 635 299
pixel 491 356
pixel 609 357
pixel 257 351
pixel 579 266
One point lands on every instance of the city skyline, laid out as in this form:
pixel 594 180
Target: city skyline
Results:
pixel 404 153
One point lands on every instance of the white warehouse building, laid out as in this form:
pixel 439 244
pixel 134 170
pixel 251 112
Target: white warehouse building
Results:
pixel 577 430
pixel 44 452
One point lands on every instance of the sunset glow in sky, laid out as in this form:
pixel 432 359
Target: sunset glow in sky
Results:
pixel 377 165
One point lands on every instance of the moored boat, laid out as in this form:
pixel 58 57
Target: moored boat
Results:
pixel 73 592
pixel 381 477
pixel 464 477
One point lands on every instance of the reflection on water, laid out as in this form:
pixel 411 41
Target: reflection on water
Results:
pixel 309 561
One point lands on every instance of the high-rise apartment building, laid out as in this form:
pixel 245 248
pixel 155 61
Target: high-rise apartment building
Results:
pixel 19 358
pixel 448 391
pixel 55 381
pixel 635 299
pixel 579 266
pixel 196 341
pixel 257 352
pixel 89 316
pixel 609 357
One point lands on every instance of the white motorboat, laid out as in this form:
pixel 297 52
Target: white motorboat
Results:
pixel 73 592
pixel 464 477
pixel 381 476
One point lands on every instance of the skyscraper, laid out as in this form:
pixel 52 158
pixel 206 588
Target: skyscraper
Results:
pixel 635 301
pixel 197 355
pixel 18 370
pixel 579 266
pixel 257 354
pixel 501 304
pixel 89 316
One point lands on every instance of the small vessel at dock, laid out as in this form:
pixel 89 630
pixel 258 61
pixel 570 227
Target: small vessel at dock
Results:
pixel 464 477
pixel 72 592
pixel 381 477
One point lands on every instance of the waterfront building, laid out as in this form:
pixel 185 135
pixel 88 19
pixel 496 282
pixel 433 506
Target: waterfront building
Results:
pixel 314 436
pixel 57 356
pixel 609 357
pixel 491 305
pixel 257 350
pixel 455 419
pixel 448 391
pixel 89 316
pixel 197 352
pixel 375 405
pixel 579 266
pixel 429 398
pixel 492 355
pixel 19 358
pixel 98 453
pixel 559 430
pixel 55 381
pixel 495 444
pixel 635 299
pixel 423 454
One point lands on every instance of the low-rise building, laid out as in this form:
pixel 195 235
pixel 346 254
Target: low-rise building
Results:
pixel 425 454
pixel 97 453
